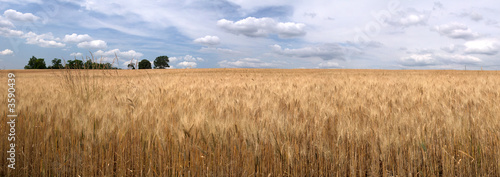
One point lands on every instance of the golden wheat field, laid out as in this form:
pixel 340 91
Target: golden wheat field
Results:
pixel 254 122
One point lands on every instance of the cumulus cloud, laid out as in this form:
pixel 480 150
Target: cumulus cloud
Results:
pixel 246 63
pixel 482 46
pixel 127 55
pixel 94 44
pixel 324 51
pixel 186 64
pixel 438 59
pixel 262 27
pixel 408 17
pixel 191 58
pixel 329 64
pixel 186 61
pixel 418 60
pixel 18 16
pixel 173 59
pixel 76 54
pixel 456 31
pixel 134 62
pixel 43 40
pixel 185 58
pixel 6 52
pixel 208 40
pixel 4 23
pixel 77 38
pixel 458 59
pixel 290 29
pixel 10 32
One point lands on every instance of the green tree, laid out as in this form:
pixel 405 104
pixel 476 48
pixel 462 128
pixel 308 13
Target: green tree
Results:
pixel 31 63
pixel 108 66
pixel 36 63
pixel 75 64
pixel 78 64
pixel 56 64
pixel 40 64
pixel 161 62
pixel 144 64
pixel 90 65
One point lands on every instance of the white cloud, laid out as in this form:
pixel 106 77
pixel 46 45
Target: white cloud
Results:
pixel 290 29
pixel 5 23
pixel 134 62
pixel 329 64
pixel 438 59
pixel 186 64
pixel 208 40
pixel 173 59
pixel 262 27
pixel 185 58
pixel 10 33
pixel 414 19
pixel 195 18
pixel 251 26
pixel 324 51
pixel 127 55
pixel 191 58
pixel 186 61
pixel 94 44
pixel 6 52
pixel 22 1
pixel 77 38
pixel 409 17
pixel 43 40
pixel 482 46
pixel 49 43
pixel 382 23
pixel 218 50
pixel 76 54
pixel 456 31
pixel 246 63
pixel 18 16
pixel 418 60
pixel 458 59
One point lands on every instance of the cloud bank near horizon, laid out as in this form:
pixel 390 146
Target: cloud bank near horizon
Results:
pixel 392 34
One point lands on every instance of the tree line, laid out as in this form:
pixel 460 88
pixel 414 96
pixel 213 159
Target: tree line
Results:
pixel 160 62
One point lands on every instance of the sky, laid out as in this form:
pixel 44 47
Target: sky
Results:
pixel 354 34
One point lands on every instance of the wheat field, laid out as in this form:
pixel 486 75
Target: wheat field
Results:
pixel 254 122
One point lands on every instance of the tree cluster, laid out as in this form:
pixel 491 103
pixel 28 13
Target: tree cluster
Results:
pixel 36 63
pixel 160 62
pixel 39 63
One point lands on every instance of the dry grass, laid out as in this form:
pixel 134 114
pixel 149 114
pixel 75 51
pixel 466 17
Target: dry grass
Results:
pixel 253 122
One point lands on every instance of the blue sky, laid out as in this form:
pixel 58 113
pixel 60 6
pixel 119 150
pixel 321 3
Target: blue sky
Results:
pixel 383 34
